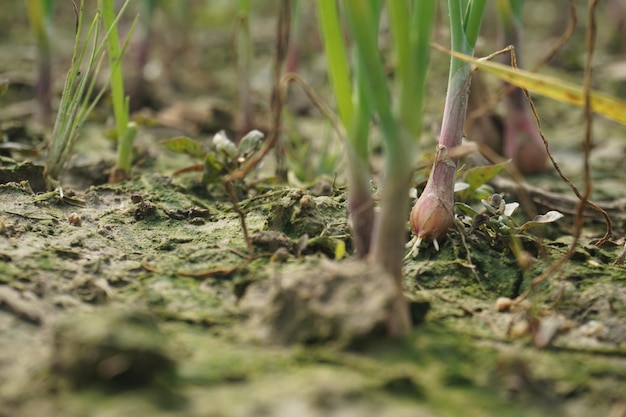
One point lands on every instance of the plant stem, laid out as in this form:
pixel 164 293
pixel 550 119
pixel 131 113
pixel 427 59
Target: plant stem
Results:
pixel 336 57
pixel 125 136
pixel 400 130
pixel 115 60
pixel 73 106
pixel 355 113
pixel 411 23
pixel 433 215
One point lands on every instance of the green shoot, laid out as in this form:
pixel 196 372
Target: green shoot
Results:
pixel 433 213
pixel 76 100
pixel 355 116
pixel 400 123
pixel 125 131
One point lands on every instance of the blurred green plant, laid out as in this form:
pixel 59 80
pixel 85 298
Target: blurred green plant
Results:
pixel 307 160
pixel 366 93
pixel 222 157
pixel 125 129
pixel 77 99
pixel 4 86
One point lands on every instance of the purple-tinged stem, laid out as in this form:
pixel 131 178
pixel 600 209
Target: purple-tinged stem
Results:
pixel 360 205
pixel 433 213
pixel 522 141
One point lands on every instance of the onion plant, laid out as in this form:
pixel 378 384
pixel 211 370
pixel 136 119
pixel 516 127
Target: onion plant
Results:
pixel 355 115
pixel 40 16
pixel 433 213
pixel 522 141
pixel 77 100
pixel 125 129
pixel 368 93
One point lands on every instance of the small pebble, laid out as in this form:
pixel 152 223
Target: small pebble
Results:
pixel 593 328
pixel 503 304
pixel 519 329
pixel 74 219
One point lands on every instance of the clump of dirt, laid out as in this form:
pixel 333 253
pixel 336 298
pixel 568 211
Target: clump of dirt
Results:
pixel 343 303
pixel 14 171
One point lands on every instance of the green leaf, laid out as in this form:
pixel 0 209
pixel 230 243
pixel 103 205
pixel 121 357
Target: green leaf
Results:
pixel 466 208
pixel 549 217
pixel 250 143
pixel 483 192
pixel 213 169
pixel 479 176
pixel 187 146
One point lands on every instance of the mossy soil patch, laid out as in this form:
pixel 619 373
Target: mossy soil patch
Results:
pixel 139 301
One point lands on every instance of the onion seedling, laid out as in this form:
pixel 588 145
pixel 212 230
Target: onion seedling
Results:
pixel 355 115
pixel 433 213
pixel 400 121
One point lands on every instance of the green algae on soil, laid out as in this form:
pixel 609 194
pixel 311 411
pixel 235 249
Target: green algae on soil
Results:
pixel 136 258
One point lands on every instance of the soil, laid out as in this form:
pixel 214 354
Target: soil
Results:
pixel 142 297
